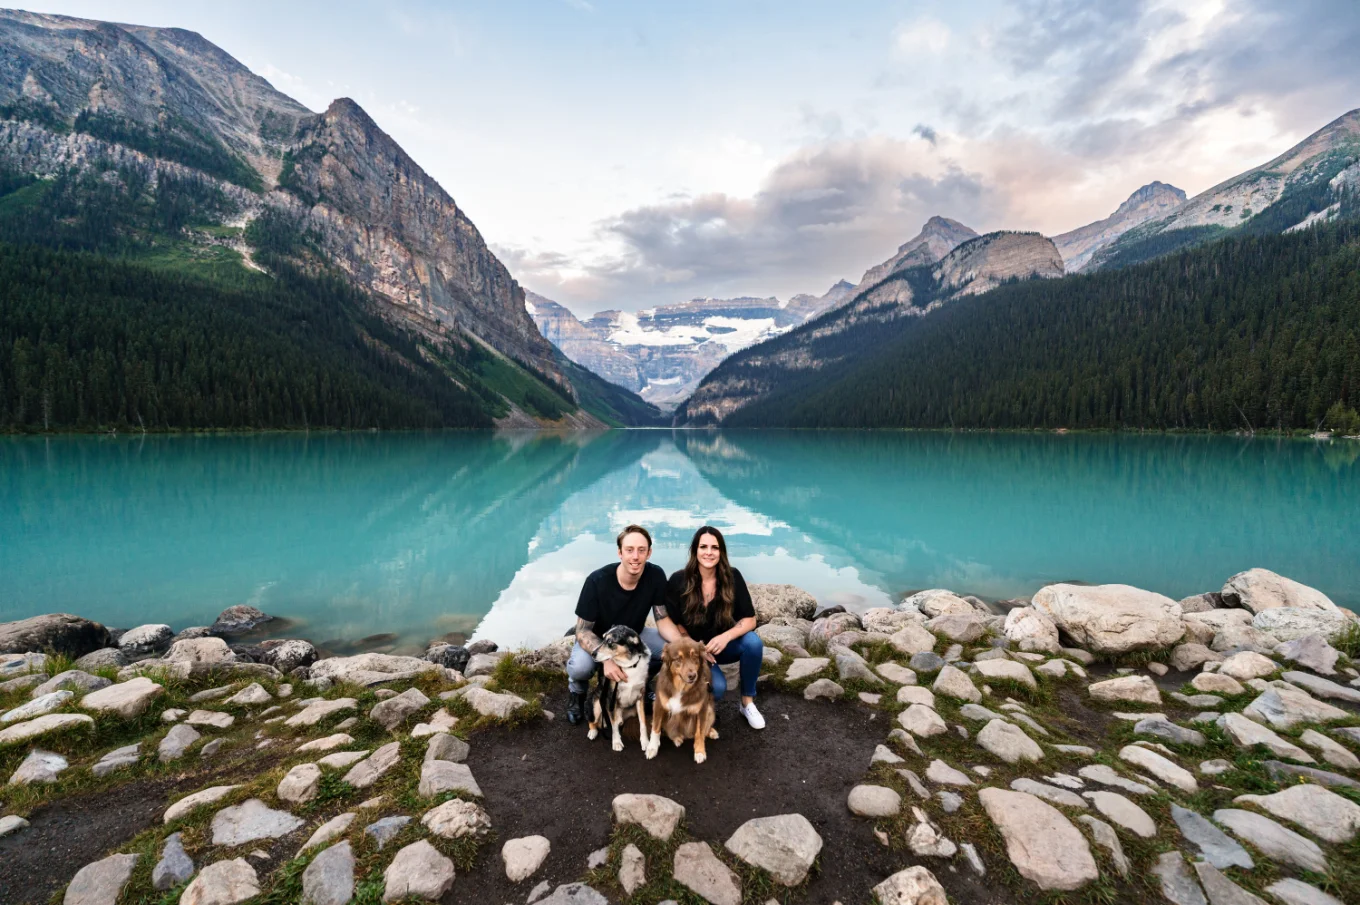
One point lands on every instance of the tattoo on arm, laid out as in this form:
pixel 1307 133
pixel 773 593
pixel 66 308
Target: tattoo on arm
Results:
pixel 659 612
pixel 586 637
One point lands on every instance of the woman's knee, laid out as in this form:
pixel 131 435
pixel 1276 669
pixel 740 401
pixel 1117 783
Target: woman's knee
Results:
pixel 750 644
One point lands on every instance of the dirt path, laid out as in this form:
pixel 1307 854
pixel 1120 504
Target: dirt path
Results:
pixel 548 779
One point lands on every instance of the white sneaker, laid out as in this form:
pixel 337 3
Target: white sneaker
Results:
pixel 752 715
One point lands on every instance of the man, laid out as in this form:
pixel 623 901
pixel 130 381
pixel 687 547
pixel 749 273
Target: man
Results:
pixel 621 594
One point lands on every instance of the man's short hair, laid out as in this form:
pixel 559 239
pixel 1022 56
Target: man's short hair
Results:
pixel 634 529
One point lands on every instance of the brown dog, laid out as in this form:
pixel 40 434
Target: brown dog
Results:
pixel 684 706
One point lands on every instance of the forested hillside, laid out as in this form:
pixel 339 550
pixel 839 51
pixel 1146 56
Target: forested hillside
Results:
pixel 124 306
pixel 1252 332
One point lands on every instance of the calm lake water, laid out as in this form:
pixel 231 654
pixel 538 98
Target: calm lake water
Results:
pixel 419 535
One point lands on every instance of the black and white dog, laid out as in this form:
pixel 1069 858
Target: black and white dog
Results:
pixel 610 700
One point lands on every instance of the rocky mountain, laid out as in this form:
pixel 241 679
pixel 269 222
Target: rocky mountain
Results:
pixel 662 353
pixel 851 330
pixel 1152 201
pixel 937 238
pixel 1307 183
pixel 87 97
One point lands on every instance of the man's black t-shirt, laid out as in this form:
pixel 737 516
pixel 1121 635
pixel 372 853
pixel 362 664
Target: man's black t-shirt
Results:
pixel 706 630
pixel 606 604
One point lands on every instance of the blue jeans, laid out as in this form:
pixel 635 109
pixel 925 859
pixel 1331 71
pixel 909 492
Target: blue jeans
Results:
pixel 581 665
pixel 750 650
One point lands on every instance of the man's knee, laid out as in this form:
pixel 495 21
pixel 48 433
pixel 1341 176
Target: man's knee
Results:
pixel 580 665
pixel 655 643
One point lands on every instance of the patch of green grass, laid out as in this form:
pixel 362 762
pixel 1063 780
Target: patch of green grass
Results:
pixel 757 886
pixel 1347 641
pixel 510 675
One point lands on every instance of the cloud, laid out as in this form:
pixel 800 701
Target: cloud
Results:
pixel 925 132
pixel 821 210
pixel 923 35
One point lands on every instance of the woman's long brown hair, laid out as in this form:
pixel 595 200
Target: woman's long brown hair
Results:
pixel 725 594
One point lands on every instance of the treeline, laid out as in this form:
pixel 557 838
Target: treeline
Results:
pixel 1252 332
pixel 88 343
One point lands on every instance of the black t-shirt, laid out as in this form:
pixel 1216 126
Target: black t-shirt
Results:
pixel 742 607
pixel 605 603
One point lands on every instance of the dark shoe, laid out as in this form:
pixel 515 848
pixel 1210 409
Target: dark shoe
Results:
pixel 576 707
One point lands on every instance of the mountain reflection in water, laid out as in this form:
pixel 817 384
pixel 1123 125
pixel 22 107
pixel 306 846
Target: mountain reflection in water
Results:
pixel 412 536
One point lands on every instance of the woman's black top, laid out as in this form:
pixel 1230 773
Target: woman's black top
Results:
pixel 704 629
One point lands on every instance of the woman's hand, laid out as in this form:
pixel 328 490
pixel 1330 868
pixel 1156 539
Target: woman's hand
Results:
pixel 716 645
pixel 613 672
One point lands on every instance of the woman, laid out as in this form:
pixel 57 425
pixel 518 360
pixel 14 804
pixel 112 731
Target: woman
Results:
pixel 708 601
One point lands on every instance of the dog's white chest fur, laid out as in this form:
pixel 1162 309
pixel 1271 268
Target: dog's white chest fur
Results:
pixel 675 705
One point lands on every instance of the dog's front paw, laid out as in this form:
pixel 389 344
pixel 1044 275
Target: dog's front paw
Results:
pixel 713 733
pixel 653 746
pixel 618 744
pixel 593 734
pixel 677 741
pixel 646 743
pixel 700 757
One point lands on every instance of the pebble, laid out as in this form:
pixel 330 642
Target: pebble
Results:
pixel 874 801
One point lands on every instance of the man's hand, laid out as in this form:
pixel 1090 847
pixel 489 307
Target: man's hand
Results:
pixel 716 645
pixel 613 672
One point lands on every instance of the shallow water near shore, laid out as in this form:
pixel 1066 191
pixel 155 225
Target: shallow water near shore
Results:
pixel 413 536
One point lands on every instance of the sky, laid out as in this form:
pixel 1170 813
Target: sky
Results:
pixel 629 154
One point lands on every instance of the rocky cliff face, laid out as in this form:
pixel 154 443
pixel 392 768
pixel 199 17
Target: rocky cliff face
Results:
pixel 988 261
pixel 937 238
pixel 1315 169
pixel 662 353
pixel 1152 201
pixel 80 93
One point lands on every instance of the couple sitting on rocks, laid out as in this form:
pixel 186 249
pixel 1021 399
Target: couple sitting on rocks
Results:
pixel 707 601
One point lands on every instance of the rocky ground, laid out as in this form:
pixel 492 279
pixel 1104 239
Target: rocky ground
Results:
pixel 1093 744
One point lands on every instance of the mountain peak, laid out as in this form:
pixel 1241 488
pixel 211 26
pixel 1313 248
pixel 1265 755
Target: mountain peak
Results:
pixel 1154 200
pixel 1155 193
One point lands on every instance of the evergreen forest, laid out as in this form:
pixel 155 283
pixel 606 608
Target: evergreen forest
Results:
pixel 1252 332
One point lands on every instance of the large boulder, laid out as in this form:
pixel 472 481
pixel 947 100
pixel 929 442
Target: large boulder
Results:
pixel 1043 845
pixel 825 630
pixel 238 620
pixel 773 601
pixel 940 602
pixel 371 669
pixel 551 656
pixel 200 655
pixel 1261 589
pixel 886 620
pixel 60 633
pixel 786 846
pixel 1112 618
pixel 1031 630
pixel 1288 623
pixel 145 641
pixel 287 655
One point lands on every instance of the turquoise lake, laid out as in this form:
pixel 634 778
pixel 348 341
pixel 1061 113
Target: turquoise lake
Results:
pixel 413 536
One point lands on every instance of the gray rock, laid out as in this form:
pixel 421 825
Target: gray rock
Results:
pixel 38 766
pixel 913 886
pixel 524 856
pixel 1137 689
pixel 1312 652
pixel 657 815
pixel 329 879
pixel 101 659
pixel 443 746
pixel 74 680
pixel 319 710
pixel 573 894
pixel 1049 793
pixel 419 871
pixel 385 830
pixel 286 656
pixel 1332 752
pixel 223 883
pixel 100 883
pixel 238 620
pixel 250 696
pixel 1319 811
pixel 117 759
pixel 1283 773
pixel 214 718
pixel 11 824
pixel 1284 706
pixel 128 699
pixel 1108 839
pixel 1323 688
pixel 950 801
pixel 926 661
pixel 440 776
pixel 960 627
pixel 1297 892
pixel 191 802
pixel 1215 846
pixel 1201 701
pixel 174 867
pixel 955 683
pixel 922 721
pixel 802 667
pixel 1221 890
pixel 1178 884
pixel 699 870
pixel 850 665
pixel 1008 742
pixel 328 831
pixel 23 683
pixel 823 688
pixel 774 601
pixel 942 774
pixel 993 670
pixel 145 641
pixel 52 722
pixel 489 703
pixel 1246 734
pixel 176 742
pixel 368 771
pixel 1274 841
pixel 1123 812
pixel 250 821
pixel 60 633
pixel 393 712
pixel 874 801
pixel 1169 731
pixel 39 706
pixel 457 818
pixel 632 869
pixel 1043 845
pixel 371 669
pixel 1159 766
pixel 1261 589
pixel 1186 657
pixel 300 784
